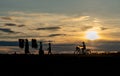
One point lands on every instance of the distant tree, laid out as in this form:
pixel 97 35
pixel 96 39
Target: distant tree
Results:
pixel 26 46
pixel 34 43
pixel 21 43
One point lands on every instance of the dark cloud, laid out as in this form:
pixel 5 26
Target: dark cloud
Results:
pixel 6 18
pixel 103 28
pixel 21 25
pixel 7 30
pixel 53 35
pixel 49 28
pixel 86 28
pixel 10 24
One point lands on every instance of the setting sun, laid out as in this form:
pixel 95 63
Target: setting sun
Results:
pixel 92 35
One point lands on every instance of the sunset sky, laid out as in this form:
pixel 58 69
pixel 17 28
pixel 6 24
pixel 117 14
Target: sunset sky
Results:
pixel 63 21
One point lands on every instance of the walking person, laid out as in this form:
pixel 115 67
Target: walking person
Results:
pixel 41 51
pixel 49 48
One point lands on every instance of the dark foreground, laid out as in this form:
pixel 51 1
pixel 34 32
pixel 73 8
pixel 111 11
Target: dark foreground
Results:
pixel 60 64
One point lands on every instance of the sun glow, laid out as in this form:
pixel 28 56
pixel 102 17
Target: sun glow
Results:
pixel 92 35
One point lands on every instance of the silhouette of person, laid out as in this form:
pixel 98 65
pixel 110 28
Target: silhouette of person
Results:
pixel 84 48
pixel 26 46
pixel 21 43
pixel 41 51
pixel 49 48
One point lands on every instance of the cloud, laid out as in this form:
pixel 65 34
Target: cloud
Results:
pixel 84 28
pixel 23 36
pixel 10 24
pixel 76 19
pixel 21 25
pixel 54 35
pixel 103 28
pixel 6 18
pixel 6 30
pixel 13 24
pixel 49 28
pixel 46 24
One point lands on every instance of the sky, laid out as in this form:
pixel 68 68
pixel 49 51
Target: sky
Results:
pixel 61 21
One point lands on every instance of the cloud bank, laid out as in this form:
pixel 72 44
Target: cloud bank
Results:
pixel 49 25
